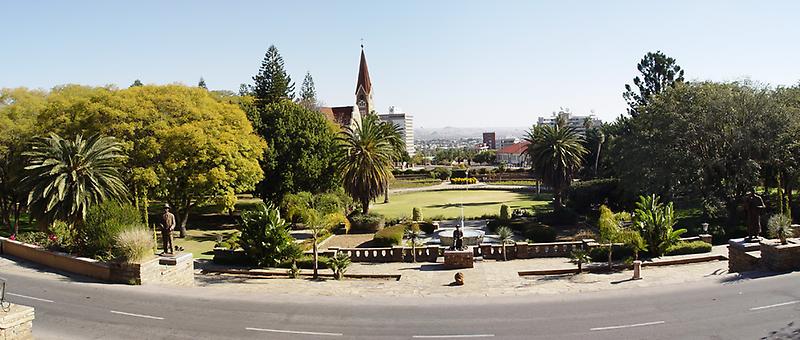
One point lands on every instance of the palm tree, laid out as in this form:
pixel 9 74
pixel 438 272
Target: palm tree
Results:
pixel 319 224
pixel 504 235
pixel 579 257
pixel 66 177
pixel 556 153
pixel 398 144
pixel 412 233
pixel 365 159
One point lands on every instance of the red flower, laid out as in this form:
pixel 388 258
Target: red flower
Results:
pixel 13 237
pixel 53 238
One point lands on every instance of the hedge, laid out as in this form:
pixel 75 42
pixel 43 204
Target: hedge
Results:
pixel 683 248
pixel 583 195
pixel 620 252
pixel 539 233
pixel 460 180
pixel 307 262
pixel 389 236
pixel 371 222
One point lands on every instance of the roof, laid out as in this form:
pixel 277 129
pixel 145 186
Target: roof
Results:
pixel 363 75
pixel 516 148
pixel 341 115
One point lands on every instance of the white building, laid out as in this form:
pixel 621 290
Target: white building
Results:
pixel 576 122
pixel 405 122
pixel 504 142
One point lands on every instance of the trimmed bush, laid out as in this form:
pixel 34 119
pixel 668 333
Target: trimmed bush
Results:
pixel 504 215
pixel 427 227
pixel 466 180
pixel 133 245
pixel 368 223
pixel 307 262
pixel 459 173
pixel 539 233
pixel 441 173
pixel 416 214
pixel 390 236
pixel 683 248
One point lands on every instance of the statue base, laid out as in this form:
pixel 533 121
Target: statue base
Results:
pixel 457 259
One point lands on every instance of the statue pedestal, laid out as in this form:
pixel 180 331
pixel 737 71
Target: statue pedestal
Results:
pixel 17 323
pixel 743 255
pixel 457 259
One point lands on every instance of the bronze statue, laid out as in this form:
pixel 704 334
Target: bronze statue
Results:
pixel 167 227
pixel 458 239
pixel 753 205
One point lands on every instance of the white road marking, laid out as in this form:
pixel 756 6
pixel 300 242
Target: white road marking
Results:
pixel 138 315
pixel 291 332
pixel 627 326
pixel 30 297
pixel 455 336
pixel 776 305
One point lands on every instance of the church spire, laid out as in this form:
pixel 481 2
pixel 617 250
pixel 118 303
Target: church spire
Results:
pixel 364 87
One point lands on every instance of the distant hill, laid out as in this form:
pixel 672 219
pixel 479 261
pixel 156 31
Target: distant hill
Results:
pixel 423 133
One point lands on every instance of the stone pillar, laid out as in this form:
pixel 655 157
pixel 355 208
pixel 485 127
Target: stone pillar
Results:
pixel 486 250
pixel 705 238
pixel 521 250
pixel 743 256
pixel 397 254
pixel 637 270
pixel 17 323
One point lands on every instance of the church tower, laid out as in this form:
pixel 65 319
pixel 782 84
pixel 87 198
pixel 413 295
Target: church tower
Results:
pixel 364 87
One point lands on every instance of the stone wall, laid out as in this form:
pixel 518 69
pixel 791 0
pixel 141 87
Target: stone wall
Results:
pixel 17 323
pixel 780 257
pixel 177 270
pixel 456 259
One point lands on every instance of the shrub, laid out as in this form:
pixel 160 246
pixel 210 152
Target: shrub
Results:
pixel 427 227
pixel 539 233
pixel 504 216
pixel 461 172
pixel 619 252
pixel 230 242
pixel 492 225
pixel 133 245
pixel 339 264
pixel 682 248
pixel 563 216
pixel 104 222
pixel 370 222
pixel 441 173
pixel 307 262
pixel 466 180
pixel 416 214
pixel 62 236
pixel 264 236
pixel 390 236
pixel 584 195
pixel 655 221
pixel 37 238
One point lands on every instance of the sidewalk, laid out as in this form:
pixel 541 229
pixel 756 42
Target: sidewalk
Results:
pixel 488 279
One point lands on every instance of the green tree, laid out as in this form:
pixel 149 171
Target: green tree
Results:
pixel 136 82
pixel 655 221
pixel 202 83
pixel 184 146
pixel 412 233
pixel 364 160
pixel 321 224
pixel 301 153
pixel 19 108
pixel 67 177
pixel 579 257
pixel 556 154
pixel 308 94
pixel 486 157
pixel 658 73
pixel 272 83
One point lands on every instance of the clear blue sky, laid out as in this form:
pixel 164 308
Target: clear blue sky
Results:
pixel 450 63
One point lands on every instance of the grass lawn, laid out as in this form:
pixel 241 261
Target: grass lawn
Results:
pixel 531 182
pixel 447 203
pixel 198 242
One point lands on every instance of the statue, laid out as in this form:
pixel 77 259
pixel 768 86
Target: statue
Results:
pixel 753 205
pixel 459 279
pixel 458 239
pixel 167 227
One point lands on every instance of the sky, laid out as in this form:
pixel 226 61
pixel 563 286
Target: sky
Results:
pixel 449 63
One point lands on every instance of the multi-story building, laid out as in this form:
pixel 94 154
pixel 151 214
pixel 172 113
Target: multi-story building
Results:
pixel 504 142
pixel 405 122
pixel 489 140
pixel 579 123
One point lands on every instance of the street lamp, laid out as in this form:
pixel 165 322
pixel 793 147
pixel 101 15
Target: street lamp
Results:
pixel 705 227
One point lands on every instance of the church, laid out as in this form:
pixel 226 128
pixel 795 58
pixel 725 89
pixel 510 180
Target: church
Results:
pixel 364 105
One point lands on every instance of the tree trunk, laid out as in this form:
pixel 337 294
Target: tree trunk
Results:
pixel 17 212
pixel 505 258
pixel 413 250
pixel 365 206
pixel 610 247
pixel 184 216
pixel 316 265
pixel 597 158
pixel 386 192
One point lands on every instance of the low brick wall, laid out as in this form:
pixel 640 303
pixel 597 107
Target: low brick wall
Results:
pixel 17 323
pixel 780 257
pixel 177 270
pixel 61 261
pixel 524 250
pixel 456 259
pixel 743 256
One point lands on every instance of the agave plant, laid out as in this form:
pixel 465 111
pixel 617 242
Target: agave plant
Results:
pixel 412 233
pixel 780 226
pixel 339 264
pixel 66 177
pixel 579 257
pixel 504 235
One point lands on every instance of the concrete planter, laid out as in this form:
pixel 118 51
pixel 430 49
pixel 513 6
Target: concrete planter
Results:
pixel 781 257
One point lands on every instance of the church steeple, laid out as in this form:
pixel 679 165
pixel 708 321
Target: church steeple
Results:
pixel 364 87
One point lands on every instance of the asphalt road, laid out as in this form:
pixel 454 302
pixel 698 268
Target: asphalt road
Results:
pixel 740 309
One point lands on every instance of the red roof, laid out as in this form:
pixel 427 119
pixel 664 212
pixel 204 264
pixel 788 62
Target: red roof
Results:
pixel 516 148
pixel 341 115
pixel 363 75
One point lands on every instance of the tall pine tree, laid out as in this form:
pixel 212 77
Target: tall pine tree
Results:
pixel 272 83
pixel 202 83
pixel 308 95
pixel 658 73
pixel 136 82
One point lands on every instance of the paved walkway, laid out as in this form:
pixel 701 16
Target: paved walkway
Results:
pixel 447 186
pixel 488 278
